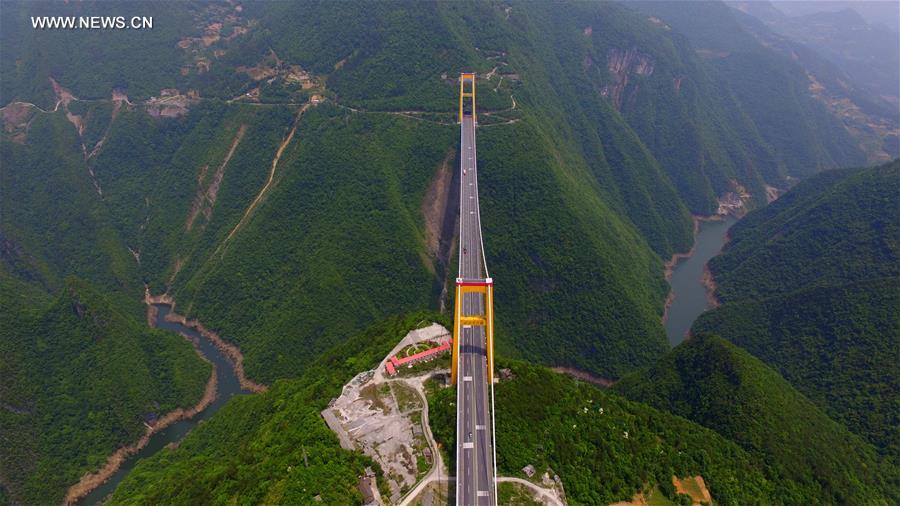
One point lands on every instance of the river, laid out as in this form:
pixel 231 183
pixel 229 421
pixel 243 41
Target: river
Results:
pixel 228 386
pixel 690 297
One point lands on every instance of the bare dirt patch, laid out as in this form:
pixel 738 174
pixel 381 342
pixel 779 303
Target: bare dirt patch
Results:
pixel 695 487
pixel 585 376
pixel 440 213
pixel 64 97
pixel 170 106
pixel 378 424
pixel 734 202
pixel 16 117
pixel 387 419
pixel 205 199
pixel 434 204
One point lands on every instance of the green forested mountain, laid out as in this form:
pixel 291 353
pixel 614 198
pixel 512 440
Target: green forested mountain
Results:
pixel 768 87
pixel 607 129
pixel 273 447
pixel 840 227
pixel 837 345
pixel 603 447
pixel 253 448
pixel 811 458
pixel 189 159
pixel 79 375
pixel 811 286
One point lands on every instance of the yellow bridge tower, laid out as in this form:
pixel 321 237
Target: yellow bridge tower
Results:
pixel 485 287
pixel 463 94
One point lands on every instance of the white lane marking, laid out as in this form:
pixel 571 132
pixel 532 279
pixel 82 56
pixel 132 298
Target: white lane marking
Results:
pixel 468 446
pixel 467 378
pixel 479 427
pixel 482 493
pixel 471 212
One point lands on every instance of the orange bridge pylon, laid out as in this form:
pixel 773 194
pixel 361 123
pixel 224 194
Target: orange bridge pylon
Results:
pixel 486 320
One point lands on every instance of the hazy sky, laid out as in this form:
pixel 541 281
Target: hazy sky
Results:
pixel 886 12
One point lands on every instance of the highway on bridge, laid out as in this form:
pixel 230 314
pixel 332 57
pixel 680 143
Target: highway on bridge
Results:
pixel 474 418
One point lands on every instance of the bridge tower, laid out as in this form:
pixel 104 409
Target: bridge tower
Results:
pixel 485 287
pixel 463 94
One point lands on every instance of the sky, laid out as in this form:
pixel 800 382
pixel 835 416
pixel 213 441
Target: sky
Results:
pixel 885 12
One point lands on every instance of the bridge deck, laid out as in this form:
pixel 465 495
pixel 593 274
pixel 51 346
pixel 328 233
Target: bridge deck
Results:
pixel 474 421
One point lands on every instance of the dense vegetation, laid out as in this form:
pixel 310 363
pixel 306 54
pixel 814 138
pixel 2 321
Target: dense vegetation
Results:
pixel 603 447
pixel 616 135
pixel 811 458
pixel 79 374
pixel 790 133
pixel 840 227
pixel 837 345
pixel 274 447
pixel 607 131
pixel 337 244
pixel 811 287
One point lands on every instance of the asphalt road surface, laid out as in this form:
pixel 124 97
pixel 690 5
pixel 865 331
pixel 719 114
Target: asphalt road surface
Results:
pixel 474 446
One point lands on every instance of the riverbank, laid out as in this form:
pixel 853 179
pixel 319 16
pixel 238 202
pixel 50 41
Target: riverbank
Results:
pixel 229 358
pixel 91 481
pixel 585 376
pixel 230 350
pixel 709 283
pixel 669 266
pixel 692 288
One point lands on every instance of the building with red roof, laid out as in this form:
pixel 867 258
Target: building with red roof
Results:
pixel 395 363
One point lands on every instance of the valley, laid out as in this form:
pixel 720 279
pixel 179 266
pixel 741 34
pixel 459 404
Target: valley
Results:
pixel 168 430
pixel 690 294
pixel 689 210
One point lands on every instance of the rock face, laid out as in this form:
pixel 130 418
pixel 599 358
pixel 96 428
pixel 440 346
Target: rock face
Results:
pixel 621 65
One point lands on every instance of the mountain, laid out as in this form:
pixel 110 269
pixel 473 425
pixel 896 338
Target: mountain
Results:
pixel 811 286
pixel 852 67
pixel 249 210
pixel 734 42
pixel 837 228
pixel 272 447
pixel 80 379
pixel 285 171
pixel 837 345
pixel 276 447
pixel 811 458
pixel 877 13
pixel 863 49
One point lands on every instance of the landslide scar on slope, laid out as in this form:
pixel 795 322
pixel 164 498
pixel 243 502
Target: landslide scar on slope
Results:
pixel 440 209
pixel 205 198
pixel 269 181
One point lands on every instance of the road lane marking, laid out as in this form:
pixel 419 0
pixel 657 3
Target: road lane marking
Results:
pixel 467 378
pixel 482 493
pixel 468 446
pixel 479 427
